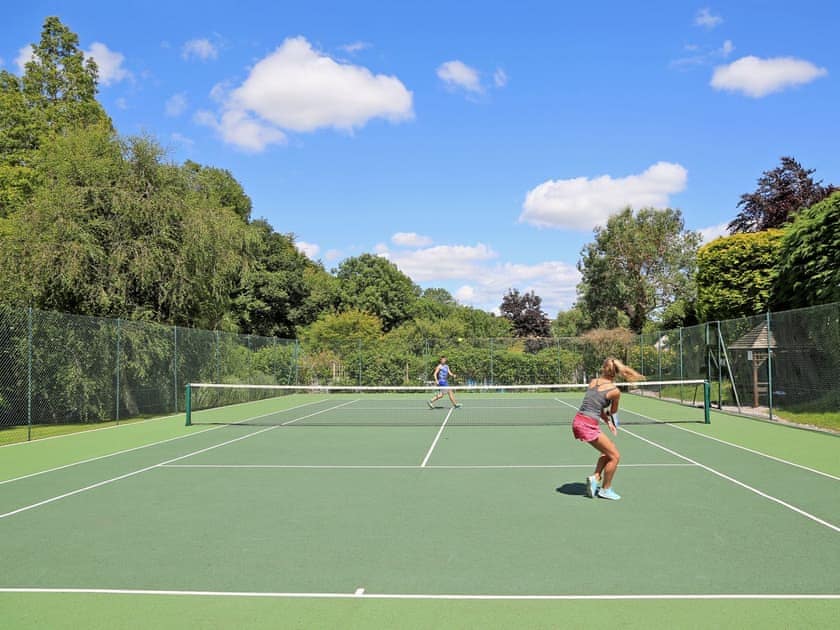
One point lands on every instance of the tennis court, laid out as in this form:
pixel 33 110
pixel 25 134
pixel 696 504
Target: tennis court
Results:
pixel 352 510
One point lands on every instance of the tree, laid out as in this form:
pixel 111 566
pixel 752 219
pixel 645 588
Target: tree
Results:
pixel 373 284
pixel 735 274
pixel 571 323
pixel 809 272
pixel 342 332
pixel 57 93
pixel 781 193
pixel 116 231
pixel 524 312
pixel 639 265
pixel 220 186
pixel 281 289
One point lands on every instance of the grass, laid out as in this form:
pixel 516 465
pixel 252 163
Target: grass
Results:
pixel 12 435
pixel 824 420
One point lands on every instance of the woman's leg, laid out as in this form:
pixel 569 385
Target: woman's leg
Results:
pixel 608 461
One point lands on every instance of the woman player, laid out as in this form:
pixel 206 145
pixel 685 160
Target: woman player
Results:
pixel 601 401
pixel 441 377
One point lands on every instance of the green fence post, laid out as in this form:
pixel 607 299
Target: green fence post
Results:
pixel 682 370
pixel 117 375
pixel 707 402
pixel 188 404
pixel 492 376
pixel 175 366
pixel 29 375
pixel 769 368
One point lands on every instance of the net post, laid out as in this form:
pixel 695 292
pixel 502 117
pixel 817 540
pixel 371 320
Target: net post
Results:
pixel 188 404
pixel 117 372
pixel 29 375
pixel 707 402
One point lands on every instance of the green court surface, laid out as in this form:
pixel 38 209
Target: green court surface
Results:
pixel 350 514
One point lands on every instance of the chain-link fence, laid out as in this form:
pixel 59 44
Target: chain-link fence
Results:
pixel 57 368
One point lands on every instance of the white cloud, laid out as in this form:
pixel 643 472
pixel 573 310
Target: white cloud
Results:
pixel 122 103
pixel 310 250
pixel 181 139
pixel 355 47
pixel 201 48
pixel 708 234
pixel 703 56
pixel 25 54
pixel 443 261
pixel 176 104
pixel 500 78
pixel 299 89
pixel 410 239
pixel 109 62
pixel 582 203
pixel 332 255
pixel 482 278
pixel 242 130
pixel 457 74
pixel 707 19
pixel 757 77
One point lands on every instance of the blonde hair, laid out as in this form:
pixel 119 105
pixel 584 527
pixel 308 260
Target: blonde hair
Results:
pixel 613 367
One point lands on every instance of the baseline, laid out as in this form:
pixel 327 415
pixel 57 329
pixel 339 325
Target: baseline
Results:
pixel 440 596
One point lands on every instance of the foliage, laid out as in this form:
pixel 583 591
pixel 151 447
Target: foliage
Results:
pixel 735 274
pixel 116 231
pixel 524 312
pixel 343 331
pixel 639 265
pixel 569 323
pixel 56 94
pixel 781 193
pixel 281 289
pixel 373 284
pixel 809 272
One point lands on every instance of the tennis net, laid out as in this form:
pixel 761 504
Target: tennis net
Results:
pixel 289 405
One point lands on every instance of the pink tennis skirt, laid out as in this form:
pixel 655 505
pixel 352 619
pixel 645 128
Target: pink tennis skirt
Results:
pixel 585 428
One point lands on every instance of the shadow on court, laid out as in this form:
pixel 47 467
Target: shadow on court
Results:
pixel 573 489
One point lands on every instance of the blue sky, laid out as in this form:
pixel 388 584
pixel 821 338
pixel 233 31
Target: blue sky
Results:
pixel 475 144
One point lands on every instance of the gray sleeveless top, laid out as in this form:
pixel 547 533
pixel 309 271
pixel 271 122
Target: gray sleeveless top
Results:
pixel 594 401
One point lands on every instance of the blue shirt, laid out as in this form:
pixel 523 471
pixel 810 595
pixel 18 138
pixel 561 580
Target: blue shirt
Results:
pixel 443 374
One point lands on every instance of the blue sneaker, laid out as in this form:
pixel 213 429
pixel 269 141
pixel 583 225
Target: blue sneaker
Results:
pixel 608 493
pixel 591 486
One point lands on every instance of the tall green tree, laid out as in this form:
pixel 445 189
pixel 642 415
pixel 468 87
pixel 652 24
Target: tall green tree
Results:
pixel 736 274
pixel 809 272
pixel 781 193
pixel 373 284
pixel 639 266
pixel 57 93
pixel 282 289
pixel 117 231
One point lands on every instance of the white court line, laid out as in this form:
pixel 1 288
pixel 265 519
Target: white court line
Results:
pixel 317 412
pixel 410 467
pixel 733 445
pixel 93 459
pixel 802 512
pixel 437 437
pixel 148 468
pixel 136 448
pixel 760 453
pixel 126 475
pixel 126 423
pixel 430 596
